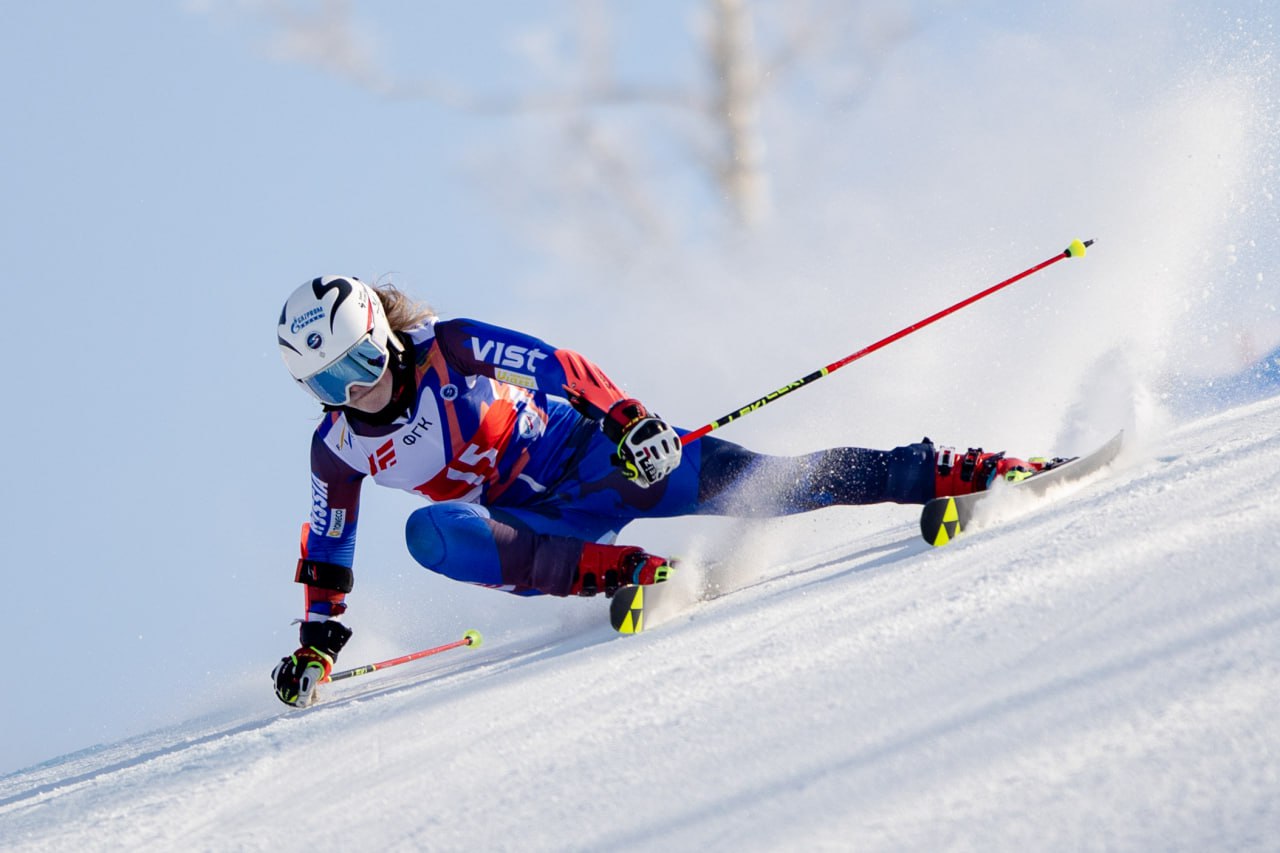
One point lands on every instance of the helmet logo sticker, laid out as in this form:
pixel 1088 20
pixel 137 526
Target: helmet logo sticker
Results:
pixel 314 340
pixel 306 319
pixel 449 392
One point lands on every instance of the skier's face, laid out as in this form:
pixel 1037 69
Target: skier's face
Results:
pixel 372 398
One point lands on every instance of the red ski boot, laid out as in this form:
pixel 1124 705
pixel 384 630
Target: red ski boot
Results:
pixel 975 471
pixel 607 568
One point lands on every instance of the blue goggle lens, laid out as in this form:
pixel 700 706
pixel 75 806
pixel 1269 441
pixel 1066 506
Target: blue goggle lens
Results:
pixel 363 364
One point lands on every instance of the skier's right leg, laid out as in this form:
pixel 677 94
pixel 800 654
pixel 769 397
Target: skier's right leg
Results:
pixel 736 481
pixel 740 482
pixel 975 471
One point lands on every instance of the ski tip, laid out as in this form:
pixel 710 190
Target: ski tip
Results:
pixel 940 521
pixel 473 638
pixel 950 527
pixel 626 610
pixel 633 623
pixel 1078 248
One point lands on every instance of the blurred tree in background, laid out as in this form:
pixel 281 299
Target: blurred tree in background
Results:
pixel 671 145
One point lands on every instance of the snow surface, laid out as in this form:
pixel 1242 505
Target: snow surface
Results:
pixel 1099 671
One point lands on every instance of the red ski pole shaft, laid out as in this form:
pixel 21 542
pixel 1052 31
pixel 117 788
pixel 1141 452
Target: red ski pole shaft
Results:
pixel 1075 250
pixel 470 638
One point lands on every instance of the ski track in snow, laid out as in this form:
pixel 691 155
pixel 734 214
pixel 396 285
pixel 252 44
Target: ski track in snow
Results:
pixel 1113 686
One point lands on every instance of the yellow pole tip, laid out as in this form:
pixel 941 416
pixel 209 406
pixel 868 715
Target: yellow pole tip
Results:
pixel 1076 249
pixel 474 637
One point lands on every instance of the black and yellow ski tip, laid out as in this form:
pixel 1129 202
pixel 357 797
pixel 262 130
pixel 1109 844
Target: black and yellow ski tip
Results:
pixel 948 525
pixel 1078 248
pixel 633 621
pixel 626 611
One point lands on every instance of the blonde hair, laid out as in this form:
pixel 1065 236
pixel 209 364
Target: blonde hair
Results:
pixel 403 311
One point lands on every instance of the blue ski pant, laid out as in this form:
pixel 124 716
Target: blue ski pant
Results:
pixel 534 547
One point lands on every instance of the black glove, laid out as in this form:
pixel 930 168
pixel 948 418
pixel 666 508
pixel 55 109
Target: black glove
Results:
pixel 648 449
pixel 297 675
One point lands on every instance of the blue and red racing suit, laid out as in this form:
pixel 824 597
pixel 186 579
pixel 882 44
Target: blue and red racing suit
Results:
pixel 503 440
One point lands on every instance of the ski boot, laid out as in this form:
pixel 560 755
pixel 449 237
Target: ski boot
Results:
pixel 975 471
pixel 608 568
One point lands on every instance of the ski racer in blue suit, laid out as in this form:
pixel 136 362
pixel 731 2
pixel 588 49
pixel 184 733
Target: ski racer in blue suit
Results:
pixel 529 458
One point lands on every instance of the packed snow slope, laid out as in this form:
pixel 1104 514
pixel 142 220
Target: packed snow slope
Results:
pixel 1097 671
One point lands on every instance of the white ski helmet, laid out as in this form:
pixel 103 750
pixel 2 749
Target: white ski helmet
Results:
pixel 334 334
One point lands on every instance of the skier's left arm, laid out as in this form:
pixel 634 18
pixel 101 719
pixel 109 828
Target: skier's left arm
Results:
pixel 648 448
pixel 328 549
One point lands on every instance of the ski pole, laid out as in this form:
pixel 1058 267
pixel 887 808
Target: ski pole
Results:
pixel 1075 250
pixel 470 638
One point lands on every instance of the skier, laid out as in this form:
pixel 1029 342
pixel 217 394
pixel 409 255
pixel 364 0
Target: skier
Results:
pixel 531 459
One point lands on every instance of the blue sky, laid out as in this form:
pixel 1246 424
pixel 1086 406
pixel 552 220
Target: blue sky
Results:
pixel 166 187
pixel 167 180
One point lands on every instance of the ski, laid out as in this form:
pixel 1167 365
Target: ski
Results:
pixel 626 609
pixel 634 608
pixel 945 518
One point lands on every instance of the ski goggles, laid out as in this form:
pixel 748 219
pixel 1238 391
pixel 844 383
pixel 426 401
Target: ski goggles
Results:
pixel 363 364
